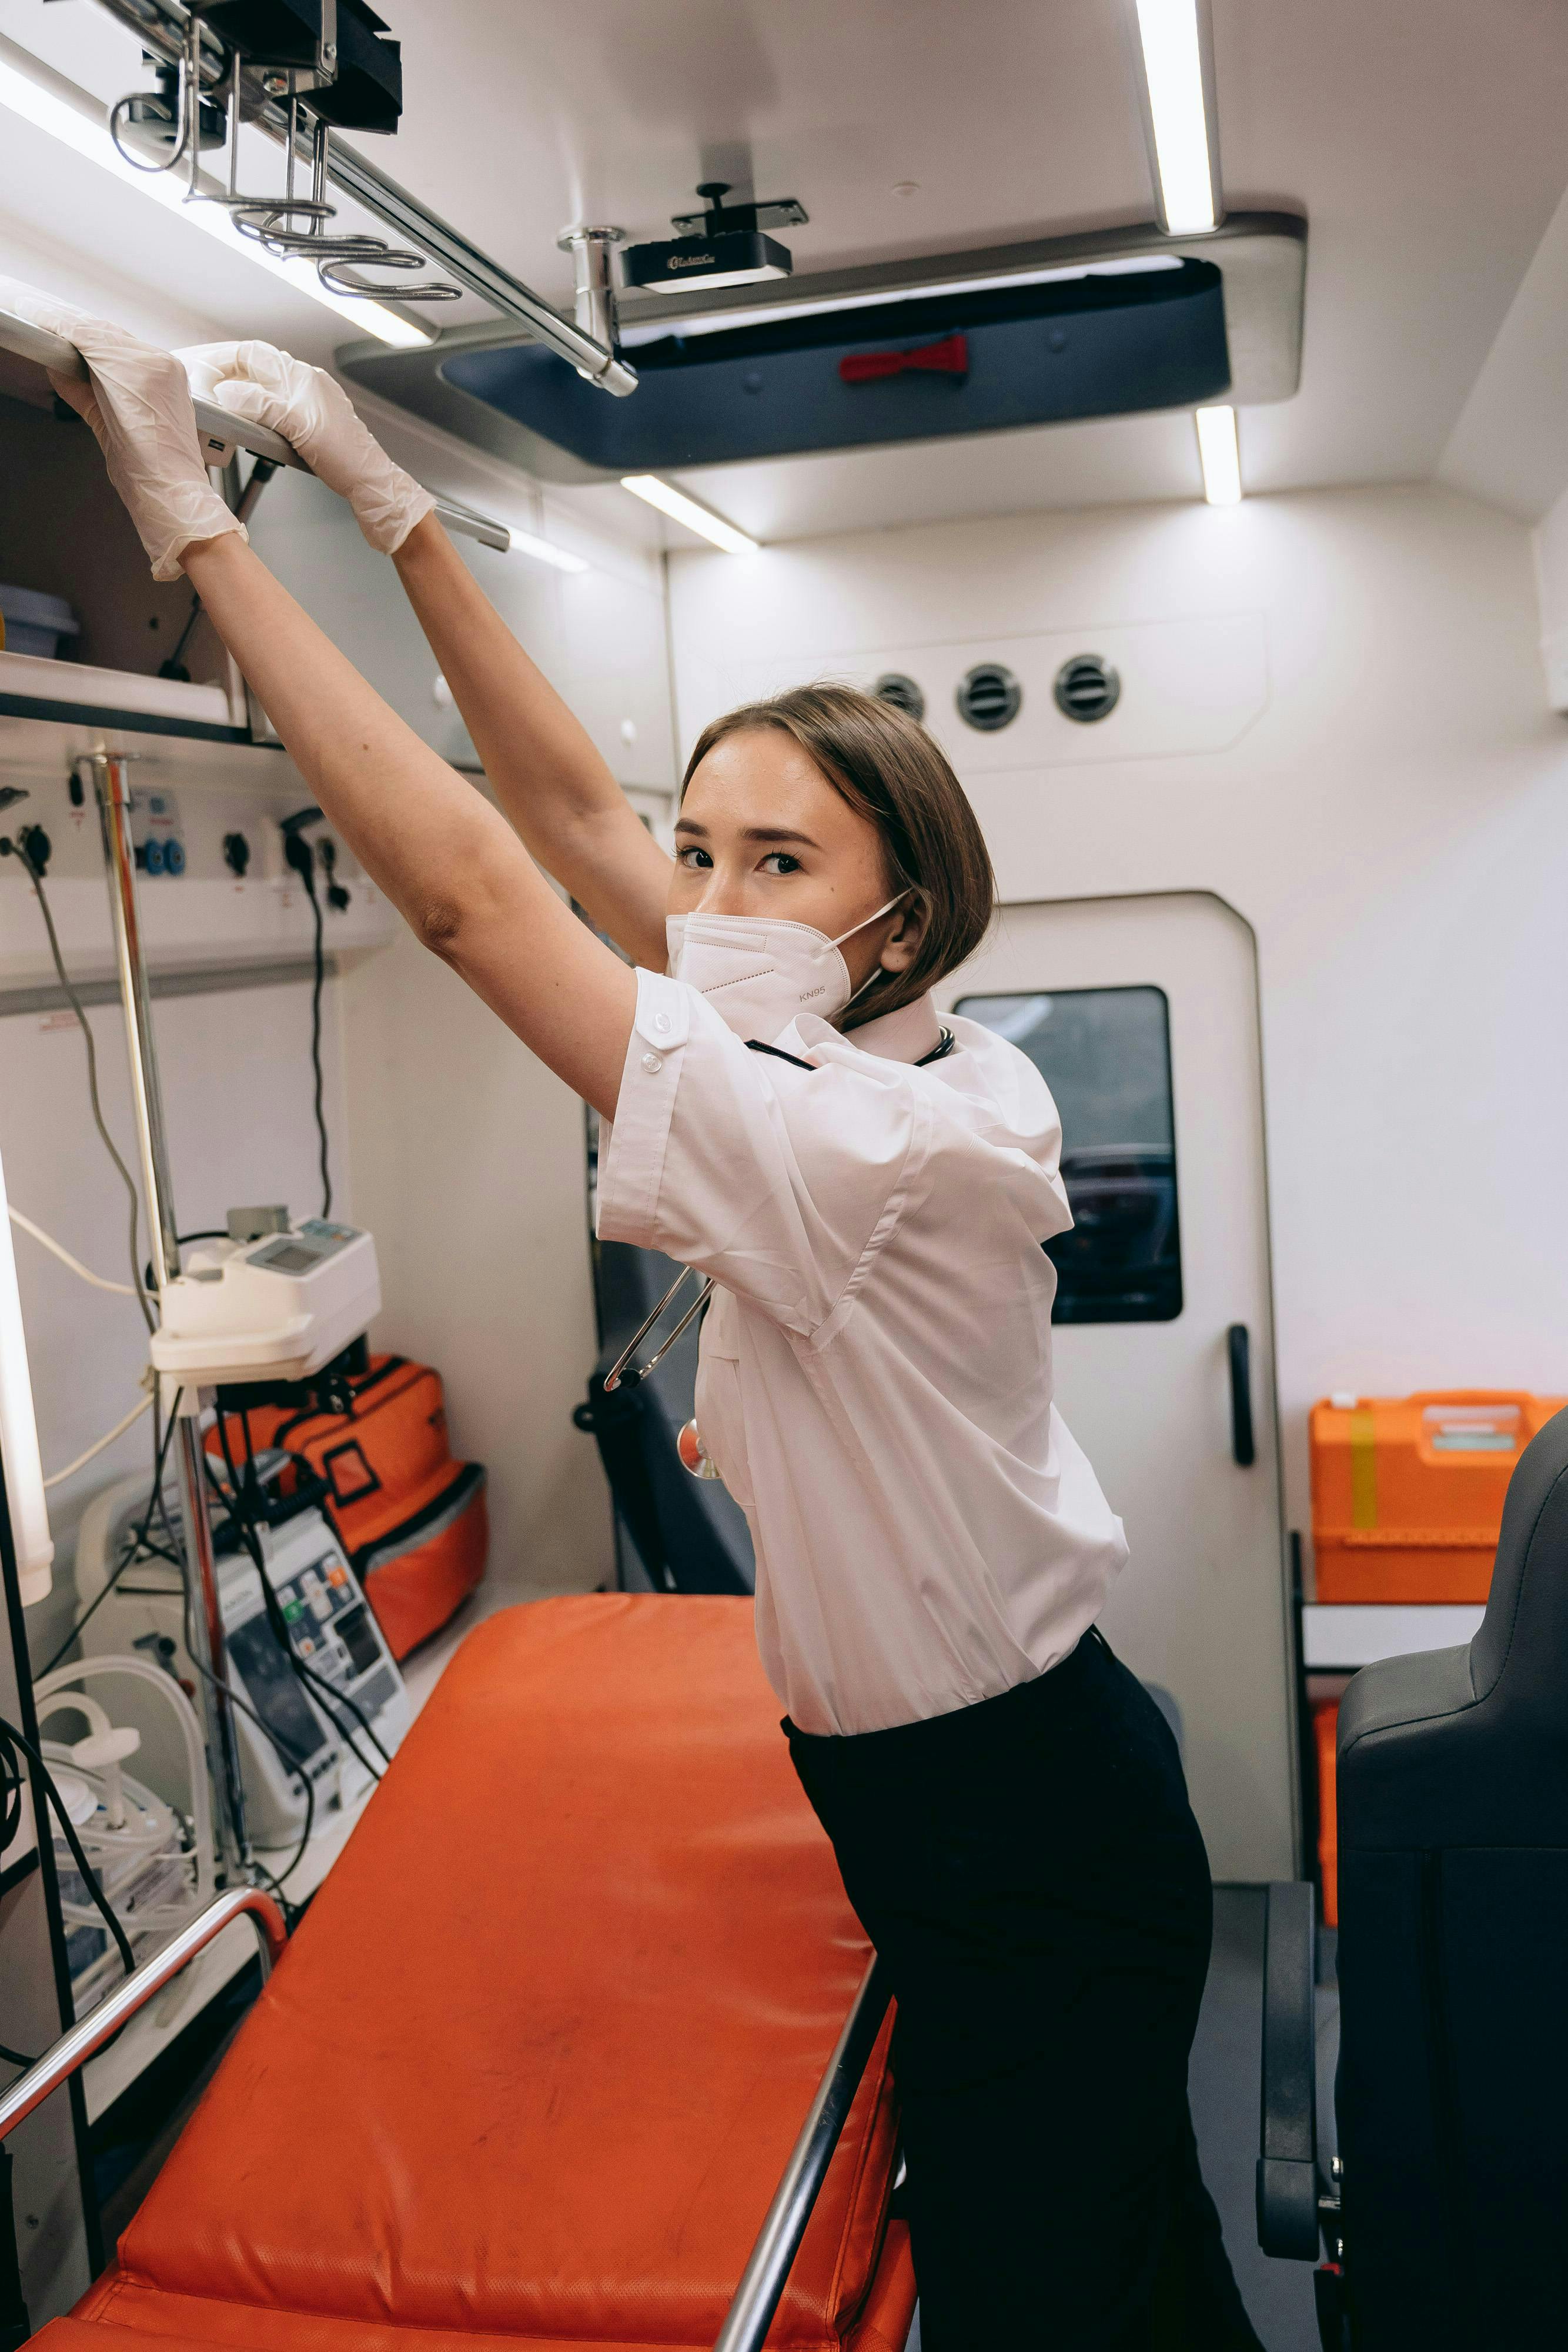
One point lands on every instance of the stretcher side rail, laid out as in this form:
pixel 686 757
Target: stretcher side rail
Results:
pixel 103 2022
pixel 767 2267
pixel 220 429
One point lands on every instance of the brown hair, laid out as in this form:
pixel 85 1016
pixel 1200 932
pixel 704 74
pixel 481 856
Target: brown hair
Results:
pixel 893 773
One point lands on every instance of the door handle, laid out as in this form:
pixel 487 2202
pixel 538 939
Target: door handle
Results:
pixel 1240 1346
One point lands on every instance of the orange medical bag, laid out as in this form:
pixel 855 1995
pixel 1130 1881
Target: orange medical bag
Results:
pixel 411 1520
pixel 1408 1491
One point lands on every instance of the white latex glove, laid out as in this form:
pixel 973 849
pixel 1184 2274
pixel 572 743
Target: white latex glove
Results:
pixel 315 415
pixel 138 407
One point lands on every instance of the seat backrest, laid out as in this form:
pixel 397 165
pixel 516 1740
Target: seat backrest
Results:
pixel 694 1527
pixel 1453 1959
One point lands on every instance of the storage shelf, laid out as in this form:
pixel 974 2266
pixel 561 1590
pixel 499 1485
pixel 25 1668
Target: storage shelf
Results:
pixel 141 722
pixel 1340 1637
pixel 33 688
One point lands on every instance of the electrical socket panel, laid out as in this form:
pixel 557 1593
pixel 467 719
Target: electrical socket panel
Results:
pixel 212 886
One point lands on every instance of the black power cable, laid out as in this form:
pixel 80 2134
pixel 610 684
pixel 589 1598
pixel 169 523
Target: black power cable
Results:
pixel 11 1784
pixel 301 858
pixel 21 848
pixel 291 1758
pixel 327 1696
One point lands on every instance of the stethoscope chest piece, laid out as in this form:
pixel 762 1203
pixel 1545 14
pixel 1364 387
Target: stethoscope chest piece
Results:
pixel 694 1454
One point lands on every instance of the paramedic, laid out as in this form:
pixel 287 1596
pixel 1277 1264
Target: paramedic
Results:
pixel 871 1188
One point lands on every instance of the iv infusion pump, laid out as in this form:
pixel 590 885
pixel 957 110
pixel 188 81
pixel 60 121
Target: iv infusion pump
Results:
pixel 330 1630
pixel 274 1302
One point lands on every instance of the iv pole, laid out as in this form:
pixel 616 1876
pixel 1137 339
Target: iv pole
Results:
pixel 112 788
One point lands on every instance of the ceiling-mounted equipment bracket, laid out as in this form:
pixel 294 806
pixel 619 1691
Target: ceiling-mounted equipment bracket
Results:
pixel 592 253
pixel 160 27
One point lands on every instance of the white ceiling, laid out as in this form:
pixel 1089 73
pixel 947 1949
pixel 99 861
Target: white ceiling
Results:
pixel 1425 140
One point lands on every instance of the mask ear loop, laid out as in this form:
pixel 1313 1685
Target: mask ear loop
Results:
pixel 876 971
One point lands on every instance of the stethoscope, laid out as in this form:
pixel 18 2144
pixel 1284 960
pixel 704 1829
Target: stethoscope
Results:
pixel 624 1374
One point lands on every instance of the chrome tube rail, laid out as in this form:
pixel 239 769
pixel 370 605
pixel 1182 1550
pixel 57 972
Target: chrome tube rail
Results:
pixel 222 431
pixel 778 2241
pixel 135 1991
pixel 111 787
pixel 159 25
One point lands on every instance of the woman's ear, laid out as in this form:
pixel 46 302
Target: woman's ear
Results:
pixel 905 945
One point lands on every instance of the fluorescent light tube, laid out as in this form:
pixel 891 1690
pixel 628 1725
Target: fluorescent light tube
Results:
pixel 77 122
pixel 525 543
pixel 702 520
pixel 1220 456
pixel 1174 77
pixel 19 1434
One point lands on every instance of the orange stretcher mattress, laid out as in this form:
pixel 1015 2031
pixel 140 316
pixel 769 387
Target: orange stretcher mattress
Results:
pixel 532 2064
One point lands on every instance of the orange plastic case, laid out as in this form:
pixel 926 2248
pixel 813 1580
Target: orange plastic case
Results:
pixel 1408 1491
pixel 1325 1735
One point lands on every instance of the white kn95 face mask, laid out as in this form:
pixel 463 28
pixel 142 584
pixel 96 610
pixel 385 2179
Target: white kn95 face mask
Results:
pixel 757 974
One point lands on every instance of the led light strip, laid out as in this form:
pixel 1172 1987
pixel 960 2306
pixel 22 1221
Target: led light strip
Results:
pixel 700 518
pixel 53 105
pixel 1220 456
pixel 1171 40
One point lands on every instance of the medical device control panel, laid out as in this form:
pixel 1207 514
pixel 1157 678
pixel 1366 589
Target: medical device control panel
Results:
pixel 277 1308
pixel 334 1636
pixel 331 1629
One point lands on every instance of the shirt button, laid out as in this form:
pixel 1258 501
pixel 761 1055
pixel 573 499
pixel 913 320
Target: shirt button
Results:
pixel 652 1061
pixel 661 1022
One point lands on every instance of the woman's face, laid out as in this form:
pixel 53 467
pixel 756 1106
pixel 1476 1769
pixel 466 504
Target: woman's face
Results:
pixel 761 831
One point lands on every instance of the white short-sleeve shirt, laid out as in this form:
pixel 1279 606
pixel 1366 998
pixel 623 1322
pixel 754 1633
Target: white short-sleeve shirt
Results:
pixel 876 1375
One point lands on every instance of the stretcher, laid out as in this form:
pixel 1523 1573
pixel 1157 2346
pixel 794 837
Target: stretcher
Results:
pixel 536 2065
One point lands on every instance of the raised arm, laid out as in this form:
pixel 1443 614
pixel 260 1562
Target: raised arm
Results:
pixel 538 756
pixel 448 861
pixel 444 857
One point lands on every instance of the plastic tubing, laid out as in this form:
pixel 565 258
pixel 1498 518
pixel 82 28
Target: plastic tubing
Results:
pixel 184 1714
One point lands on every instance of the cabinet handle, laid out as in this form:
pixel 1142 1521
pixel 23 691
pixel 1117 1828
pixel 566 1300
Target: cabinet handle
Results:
pixel 1240 1350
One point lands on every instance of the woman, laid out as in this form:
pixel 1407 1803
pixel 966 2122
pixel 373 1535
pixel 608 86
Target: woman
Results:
pixel 871 1191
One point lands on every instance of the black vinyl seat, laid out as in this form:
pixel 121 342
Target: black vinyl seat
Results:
pixel 1452 2096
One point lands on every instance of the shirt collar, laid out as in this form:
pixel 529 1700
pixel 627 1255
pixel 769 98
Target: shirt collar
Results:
pixel 903 1035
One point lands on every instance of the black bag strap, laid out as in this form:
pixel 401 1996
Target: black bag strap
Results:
pixel 615 1421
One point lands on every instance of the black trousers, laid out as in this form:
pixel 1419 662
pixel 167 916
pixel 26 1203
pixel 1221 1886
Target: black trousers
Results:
pixel 1030 1872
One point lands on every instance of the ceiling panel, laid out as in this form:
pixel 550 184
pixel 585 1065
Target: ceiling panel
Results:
pixel 1424 139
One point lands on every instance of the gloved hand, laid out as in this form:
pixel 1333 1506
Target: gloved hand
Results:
pixel 138 407
pixel 313 412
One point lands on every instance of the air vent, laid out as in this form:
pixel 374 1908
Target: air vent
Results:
pixel 1087 688
pixel 989 697
pixel 901 692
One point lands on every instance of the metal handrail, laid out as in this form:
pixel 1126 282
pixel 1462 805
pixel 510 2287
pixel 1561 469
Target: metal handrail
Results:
pixel 763 2280
pixel 133 1992
pixel 220 427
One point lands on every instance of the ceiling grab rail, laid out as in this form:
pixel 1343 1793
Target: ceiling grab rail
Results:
pixel 221 432
pixel 763 2280
pixel 160 25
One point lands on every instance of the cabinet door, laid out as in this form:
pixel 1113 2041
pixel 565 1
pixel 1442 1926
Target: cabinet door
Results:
pixel 1143 1015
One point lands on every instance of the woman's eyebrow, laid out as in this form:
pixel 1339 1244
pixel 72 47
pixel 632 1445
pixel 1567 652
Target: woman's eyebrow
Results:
pixel 752 833
pixel 779 832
